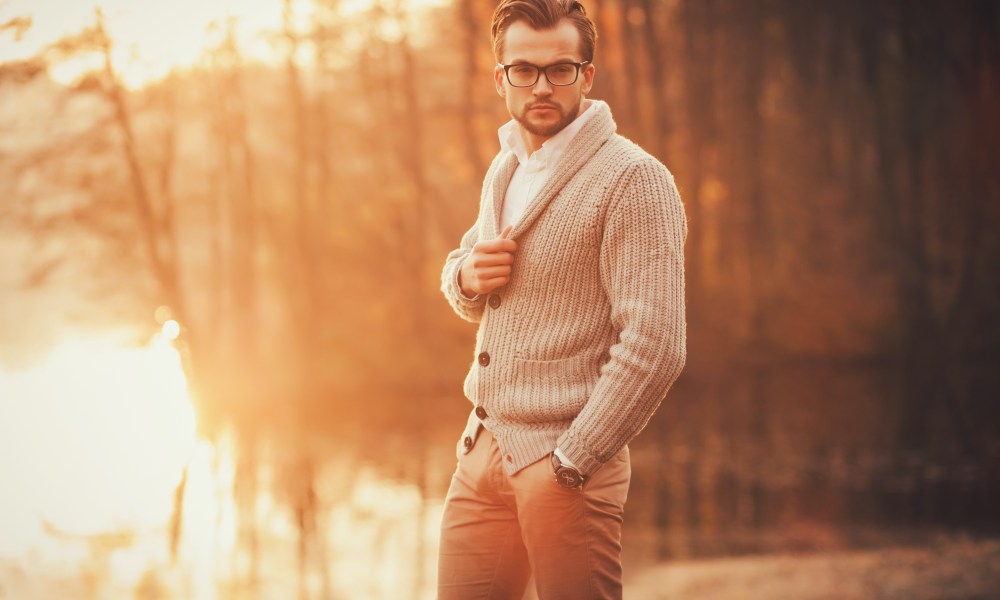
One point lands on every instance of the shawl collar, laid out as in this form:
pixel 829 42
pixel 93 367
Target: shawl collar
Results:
pixel 501 179
pixel 587 142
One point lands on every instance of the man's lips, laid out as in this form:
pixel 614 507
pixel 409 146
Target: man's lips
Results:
pixel 542 107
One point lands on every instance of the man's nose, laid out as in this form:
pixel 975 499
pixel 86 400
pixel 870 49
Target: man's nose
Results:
pixel 542 87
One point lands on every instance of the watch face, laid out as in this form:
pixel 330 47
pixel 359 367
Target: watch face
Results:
pixel 568 477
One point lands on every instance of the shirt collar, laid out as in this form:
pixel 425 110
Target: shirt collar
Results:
pixel 553 148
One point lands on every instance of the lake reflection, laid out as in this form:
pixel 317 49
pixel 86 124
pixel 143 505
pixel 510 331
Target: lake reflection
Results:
pixel 318 524
pixel 107 493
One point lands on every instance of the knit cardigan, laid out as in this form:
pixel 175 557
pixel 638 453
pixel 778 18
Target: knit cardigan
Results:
pixel 580 346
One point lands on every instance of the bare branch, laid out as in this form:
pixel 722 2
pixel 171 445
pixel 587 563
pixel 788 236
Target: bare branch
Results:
pixel 19 25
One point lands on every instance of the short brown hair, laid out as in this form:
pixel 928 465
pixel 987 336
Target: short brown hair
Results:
pixel 543 14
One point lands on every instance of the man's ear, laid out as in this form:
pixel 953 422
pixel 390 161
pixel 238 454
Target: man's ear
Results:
pixel 588 78
pixel 498 77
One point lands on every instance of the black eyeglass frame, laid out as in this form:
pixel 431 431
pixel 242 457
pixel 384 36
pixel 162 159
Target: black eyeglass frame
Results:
pixel 540 70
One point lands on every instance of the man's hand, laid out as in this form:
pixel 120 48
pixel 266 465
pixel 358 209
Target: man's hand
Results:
pixel 488 267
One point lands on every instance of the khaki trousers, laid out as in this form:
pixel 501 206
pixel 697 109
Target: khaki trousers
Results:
pixel 498 529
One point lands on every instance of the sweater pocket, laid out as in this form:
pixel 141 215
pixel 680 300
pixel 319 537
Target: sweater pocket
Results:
pixel 548 391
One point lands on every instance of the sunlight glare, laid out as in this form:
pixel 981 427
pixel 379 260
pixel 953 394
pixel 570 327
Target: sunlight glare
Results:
pixel 94 440
pixel 171 329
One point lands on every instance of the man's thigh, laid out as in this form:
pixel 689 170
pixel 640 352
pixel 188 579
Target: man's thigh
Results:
pixel 481 554
pixel 573 537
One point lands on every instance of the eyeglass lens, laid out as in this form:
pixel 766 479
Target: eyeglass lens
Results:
pixel 558 74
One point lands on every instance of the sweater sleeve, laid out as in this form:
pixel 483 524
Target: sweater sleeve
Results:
pixel 642 271
pixel 470 309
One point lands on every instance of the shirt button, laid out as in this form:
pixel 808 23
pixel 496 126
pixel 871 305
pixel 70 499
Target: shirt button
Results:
pixel 480 412
pixel 467 442
pixel 494 300
pixel 484 358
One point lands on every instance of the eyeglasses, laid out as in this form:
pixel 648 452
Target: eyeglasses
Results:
pixel 526 74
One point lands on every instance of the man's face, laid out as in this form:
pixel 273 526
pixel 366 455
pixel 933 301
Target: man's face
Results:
pixel 543 109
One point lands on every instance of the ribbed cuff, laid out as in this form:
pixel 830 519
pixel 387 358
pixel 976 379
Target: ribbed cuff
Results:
pixel 564 459
pixel 578 454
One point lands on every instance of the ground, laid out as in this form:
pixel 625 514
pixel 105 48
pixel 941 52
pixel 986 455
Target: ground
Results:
pixel 949 568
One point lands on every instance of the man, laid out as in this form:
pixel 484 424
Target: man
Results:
pixel 574 271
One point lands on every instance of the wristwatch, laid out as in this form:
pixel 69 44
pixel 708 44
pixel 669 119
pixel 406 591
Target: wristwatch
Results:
pixel 566 476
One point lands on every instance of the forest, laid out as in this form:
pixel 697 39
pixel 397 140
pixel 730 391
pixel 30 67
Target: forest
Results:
pixel 840 169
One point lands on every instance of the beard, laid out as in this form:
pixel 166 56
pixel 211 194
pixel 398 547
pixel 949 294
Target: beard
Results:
pixel 547 128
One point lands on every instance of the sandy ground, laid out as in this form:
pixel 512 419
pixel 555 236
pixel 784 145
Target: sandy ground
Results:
pixel 946 569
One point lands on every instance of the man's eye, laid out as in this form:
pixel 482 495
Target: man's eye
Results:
pixel 562 69
pixel 523 69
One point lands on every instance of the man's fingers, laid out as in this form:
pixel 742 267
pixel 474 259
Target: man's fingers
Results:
pixel 491 284
pixel 497 245
pixel 493 272
pixel 492 259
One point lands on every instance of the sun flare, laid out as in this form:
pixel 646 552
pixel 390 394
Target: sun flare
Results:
pixel 94 439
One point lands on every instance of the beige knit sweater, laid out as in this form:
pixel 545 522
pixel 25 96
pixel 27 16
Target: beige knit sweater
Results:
pixel 579 348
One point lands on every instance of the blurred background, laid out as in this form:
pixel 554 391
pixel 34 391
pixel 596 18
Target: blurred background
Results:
pixel 226 370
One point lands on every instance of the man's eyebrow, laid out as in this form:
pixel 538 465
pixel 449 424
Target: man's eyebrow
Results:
pixel 521 61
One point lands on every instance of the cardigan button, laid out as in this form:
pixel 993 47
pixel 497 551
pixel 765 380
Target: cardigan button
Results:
pixel 494 300
pixel 480 412
pixel 467 442
pixel 484 359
